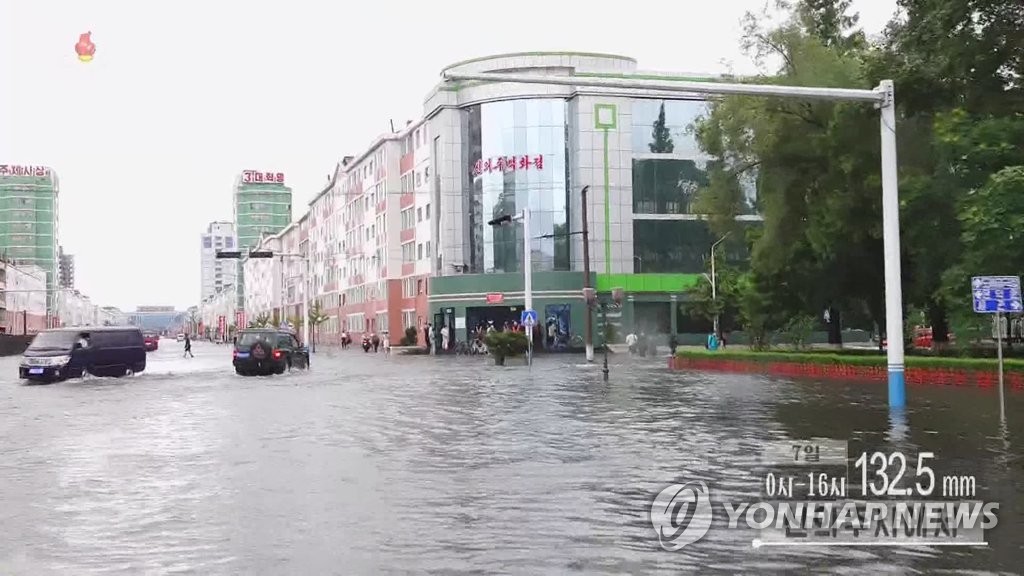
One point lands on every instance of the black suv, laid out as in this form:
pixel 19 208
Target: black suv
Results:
pixel 268 351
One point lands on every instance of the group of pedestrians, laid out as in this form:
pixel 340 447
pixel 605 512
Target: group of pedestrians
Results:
pixel 371 341
pixel 641 345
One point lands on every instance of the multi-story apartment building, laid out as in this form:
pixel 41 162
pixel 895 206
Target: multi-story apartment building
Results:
pixel 219 314
pixel 262 206
pixel 28 220
pixel 384 245
pixel 22 299
pixel 415 232
pixel 217 273
pixel 66 269
pixel 264 281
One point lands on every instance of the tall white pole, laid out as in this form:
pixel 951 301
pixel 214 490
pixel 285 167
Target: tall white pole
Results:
pixel 999 344
pixel 528 278
pixel 891 248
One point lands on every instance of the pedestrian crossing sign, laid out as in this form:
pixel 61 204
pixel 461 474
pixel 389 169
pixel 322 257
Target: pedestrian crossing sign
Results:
pixel 528 318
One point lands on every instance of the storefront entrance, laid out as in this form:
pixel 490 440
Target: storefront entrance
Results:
pixel 478 317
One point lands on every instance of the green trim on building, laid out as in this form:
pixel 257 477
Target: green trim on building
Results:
pixel 607 211
pixel 648 283
pixel 489 283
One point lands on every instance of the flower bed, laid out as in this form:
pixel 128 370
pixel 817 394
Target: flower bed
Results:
pixel 919 370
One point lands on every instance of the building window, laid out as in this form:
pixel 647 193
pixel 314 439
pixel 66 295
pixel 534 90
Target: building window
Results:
pixel 408 319
pixel 419 251
pixel 666 185
pixel 426 212
pixel 427 250
pixel 533 133
pixel 679 246
pixel 419 214
pixel 419 181
pixel 408 220
pixel 409 252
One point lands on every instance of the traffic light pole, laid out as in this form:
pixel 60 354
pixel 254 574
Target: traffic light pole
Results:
pixel 882 97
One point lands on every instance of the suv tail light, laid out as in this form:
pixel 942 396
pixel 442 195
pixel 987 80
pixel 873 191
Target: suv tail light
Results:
pixel 234 354
pixel 277 354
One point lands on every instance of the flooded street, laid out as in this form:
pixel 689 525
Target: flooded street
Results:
pixel 368 464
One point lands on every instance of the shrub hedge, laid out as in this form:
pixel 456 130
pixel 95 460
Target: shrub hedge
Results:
pixel 953 363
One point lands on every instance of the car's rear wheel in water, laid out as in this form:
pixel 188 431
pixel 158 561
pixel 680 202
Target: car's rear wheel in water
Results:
pixel 240 371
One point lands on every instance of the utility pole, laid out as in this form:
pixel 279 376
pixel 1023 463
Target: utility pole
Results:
pixel 588 322
pixel 882 97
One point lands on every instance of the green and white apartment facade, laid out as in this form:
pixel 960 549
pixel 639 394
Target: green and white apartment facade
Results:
pixel 262 207
pixel 499 147
pixel 28 221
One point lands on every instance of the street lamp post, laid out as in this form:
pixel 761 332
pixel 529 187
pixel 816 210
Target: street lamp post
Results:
pixel 524 217
pixel 305 295
pixel 588 319
pixel 590 296
pixel 714 283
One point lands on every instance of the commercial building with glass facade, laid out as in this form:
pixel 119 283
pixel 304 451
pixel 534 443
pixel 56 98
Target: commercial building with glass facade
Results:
pixel 28 220
pixel 497 148
pixel 262 206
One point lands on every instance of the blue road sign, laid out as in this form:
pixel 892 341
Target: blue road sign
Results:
pixel 528 318
pixel 992 294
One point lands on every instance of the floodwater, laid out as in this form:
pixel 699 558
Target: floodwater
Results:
pixel 369 464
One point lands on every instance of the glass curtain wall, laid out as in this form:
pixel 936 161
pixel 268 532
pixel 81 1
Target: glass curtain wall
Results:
pixel 516 157
pixel 669 169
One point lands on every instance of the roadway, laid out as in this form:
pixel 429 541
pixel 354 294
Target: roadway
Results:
pixel 374 464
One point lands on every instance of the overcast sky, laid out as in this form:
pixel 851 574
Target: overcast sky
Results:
pixel 181 96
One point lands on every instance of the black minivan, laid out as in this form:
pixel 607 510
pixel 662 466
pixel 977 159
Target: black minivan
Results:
pixel 70 352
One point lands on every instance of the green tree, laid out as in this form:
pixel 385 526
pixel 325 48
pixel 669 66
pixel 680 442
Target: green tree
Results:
pixel 316 317
pixel 954 62
pixel 816 164
pixel 262 320
pixel 661 137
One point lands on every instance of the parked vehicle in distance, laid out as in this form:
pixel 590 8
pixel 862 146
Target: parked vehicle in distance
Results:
pixel 180 337
pixel 268 351
pixel 71 352
pixel 151 341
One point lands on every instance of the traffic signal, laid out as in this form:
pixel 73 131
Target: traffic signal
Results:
pixel 228 254
pixel 261 254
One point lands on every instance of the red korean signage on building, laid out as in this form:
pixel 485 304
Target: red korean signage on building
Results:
pixel 239 319
pixel 508 164
pixel 221 324
pixel 13 170
pixel 495 298
pixel 257 177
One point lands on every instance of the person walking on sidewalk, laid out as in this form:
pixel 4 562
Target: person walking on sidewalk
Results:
pixel 188 347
